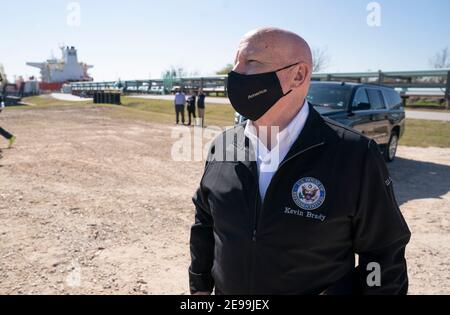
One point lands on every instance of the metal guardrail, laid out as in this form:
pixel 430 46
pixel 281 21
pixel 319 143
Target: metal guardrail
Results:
pixel 387 74
pixel 405 81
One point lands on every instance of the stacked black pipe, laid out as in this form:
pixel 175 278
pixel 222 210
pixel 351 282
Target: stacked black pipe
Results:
pixel 107 98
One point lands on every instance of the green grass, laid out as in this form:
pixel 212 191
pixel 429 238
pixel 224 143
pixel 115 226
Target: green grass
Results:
pixel 426 133
pixel 428 109
pixel 163 111
pixel 426 103
pixel 427 106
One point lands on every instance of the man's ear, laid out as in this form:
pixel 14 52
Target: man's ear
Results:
pixel 300 76
pixel 293 78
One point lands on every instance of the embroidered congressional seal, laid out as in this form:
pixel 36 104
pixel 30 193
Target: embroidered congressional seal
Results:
pixel 308 193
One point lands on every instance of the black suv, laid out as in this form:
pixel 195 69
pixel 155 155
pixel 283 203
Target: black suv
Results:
pixel 374 110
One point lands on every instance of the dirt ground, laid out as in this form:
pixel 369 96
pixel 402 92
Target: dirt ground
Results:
pixel 93 204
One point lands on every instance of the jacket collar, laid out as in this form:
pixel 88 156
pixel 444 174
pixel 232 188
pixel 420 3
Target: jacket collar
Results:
pixel 311 135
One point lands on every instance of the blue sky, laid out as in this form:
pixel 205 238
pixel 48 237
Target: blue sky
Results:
pixel 136 39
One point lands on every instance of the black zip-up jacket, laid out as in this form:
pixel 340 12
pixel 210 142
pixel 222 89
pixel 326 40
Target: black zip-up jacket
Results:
pixel 331 198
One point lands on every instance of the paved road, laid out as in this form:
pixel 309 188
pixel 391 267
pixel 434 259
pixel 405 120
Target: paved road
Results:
pixel 69 97
pixel 443 116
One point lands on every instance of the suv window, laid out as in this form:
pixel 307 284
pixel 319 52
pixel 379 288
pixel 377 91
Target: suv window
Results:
pixel 393 98
pixel 335 96
pixel 376 99
pixel 360 97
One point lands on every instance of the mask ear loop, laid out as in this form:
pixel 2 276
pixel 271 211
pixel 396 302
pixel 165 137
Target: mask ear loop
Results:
pixel 285 69
pixel 290 91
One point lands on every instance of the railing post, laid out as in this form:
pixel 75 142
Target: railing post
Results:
pixel 226 86
pixel 380 77
pixel 447 91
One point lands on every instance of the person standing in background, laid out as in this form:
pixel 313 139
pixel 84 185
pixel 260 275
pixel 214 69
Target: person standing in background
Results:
pixel 191 108
pixel 201 107
pixel 180 100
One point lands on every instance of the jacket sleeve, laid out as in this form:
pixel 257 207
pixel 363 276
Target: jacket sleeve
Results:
pixel 380 233
pixel 201 246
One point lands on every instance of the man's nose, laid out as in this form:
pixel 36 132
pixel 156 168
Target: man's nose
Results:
pixel 239 67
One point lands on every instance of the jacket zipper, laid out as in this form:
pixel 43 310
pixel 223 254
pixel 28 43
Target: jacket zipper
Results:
pixel 252 250
pixel 260 207
pixel 255 215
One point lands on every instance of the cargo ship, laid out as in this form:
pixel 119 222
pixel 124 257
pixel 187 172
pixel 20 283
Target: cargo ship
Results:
pixel 55 73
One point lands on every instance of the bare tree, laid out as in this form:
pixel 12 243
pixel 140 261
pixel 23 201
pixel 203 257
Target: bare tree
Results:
pixel 178 72
pixel 441 59
pixel 194 73
pixel 321 59
pixel 225 70
pixel 173 73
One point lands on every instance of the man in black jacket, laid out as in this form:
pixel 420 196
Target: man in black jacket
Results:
pixel 201 107
pixel 191 109
pixel 288 198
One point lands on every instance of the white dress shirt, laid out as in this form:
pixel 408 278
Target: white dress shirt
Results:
pixel 282 141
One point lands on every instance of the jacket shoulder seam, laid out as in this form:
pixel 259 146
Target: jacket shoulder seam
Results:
pixel 347 129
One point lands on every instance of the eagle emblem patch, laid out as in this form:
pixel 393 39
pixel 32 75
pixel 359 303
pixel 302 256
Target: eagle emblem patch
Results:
pixel 308 193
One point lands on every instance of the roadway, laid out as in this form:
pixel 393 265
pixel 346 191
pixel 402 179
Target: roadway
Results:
pixel 428 115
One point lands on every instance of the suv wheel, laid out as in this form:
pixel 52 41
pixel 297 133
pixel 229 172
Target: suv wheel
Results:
pixel 391 148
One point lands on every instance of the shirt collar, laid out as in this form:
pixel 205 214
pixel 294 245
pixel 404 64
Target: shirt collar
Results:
pixel 285 138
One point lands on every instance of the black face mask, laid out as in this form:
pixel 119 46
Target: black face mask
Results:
pixel 254 95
